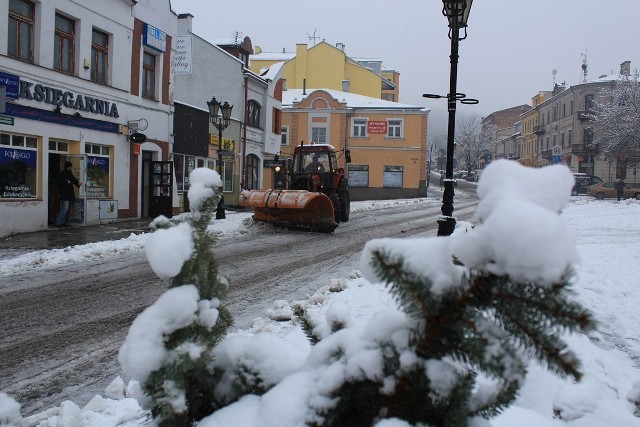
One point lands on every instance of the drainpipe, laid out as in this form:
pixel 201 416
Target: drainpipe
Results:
pixel 244 132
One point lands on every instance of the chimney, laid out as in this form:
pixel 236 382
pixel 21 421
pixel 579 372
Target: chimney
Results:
pixel 340 46
pixel 346 85
pixel 188 18
pixel 625 68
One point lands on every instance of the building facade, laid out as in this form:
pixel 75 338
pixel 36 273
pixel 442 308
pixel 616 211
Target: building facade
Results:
pixel 387 140
pixel 78 81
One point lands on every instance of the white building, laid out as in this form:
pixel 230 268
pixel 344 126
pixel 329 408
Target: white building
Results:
pixel 76 75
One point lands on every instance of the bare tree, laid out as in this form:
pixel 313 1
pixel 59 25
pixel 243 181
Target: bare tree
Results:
pixel 617 121
pixel 473 140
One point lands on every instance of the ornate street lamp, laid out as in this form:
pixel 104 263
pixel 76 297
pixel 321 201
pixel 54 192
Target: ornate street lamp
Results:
pixel 220 116
pixel 457 12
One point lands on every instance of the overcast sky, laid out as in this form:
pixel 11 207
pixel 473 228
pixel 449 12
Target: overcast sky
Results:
pixel 509 55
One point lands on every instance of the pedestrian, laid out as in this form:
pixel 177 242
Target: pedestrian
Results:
pixel 66 181
pixel 620 189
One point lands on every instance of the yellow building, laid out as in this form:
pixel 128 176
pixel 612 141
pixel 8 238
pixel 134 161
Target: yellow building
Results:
pixel 387 140
pixel 328 66
pixel 528 139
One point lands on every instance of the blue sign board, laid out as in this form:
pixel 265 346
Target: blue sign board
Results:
pixel 154 37
pixel 11 83
pixel 31 113
pixel 556 159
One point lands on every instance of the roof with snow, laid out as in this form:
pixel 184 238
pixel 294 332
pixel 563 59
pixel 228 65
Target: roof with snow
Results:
pixel 352 100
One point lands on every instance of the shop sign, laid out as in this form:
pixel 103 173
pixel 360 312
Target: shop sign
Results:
pixel 377 126
pixel 97 176
pixel 182 57
pixel 11 83
pixel 154 37
pixel 227 143
pixel 6 120
pixel 271 164
pixel 41 93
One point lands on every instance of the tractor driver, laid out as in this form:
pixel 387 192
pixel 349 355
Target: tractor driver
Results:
pixel 315 165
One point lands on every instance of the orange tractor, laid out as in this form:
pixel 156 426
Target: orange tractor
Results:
pixel 317 193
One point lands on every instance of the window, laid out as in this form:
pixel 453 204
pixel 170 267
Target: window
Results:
pixel 98 170
pixel 277 121
pixel 569 139
pixel 251 181
pixel 63 44
pixel 319 135
pixel 394 128
pixel 589 102
pixel 564 110
pixel 58 146
pixel 18 166
pixel 99 56
pixel 20 35
pixel 284 135
pixel 588 136
pixel 148 75
pixel 358 175
pixel 359 127
pixel 253 114
pixel 570 107
pixel 562 139
pixel 392 177
pixel 388 97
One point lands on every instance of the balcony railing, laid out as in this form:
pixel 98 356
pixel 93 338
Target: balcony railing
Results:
pixel 585 115
pixel 538 129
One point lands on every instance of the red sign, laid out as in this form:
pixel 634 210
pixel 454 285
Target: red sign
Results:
pixel 377 126
pixel 136 149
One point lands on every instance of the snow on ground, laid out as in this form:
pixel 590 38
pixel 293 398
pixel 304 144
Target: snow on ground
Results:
pixel 608 242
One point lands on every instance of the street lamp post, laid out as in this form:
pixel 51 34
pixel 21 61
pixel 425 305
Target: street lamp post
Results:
pixel 457 12
pixel 220 116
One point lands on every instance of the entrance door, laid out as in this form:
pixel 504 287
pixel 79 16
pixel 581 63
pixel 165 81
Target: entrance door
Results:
pixel 161 189
pixel 77 209
pixel 145 192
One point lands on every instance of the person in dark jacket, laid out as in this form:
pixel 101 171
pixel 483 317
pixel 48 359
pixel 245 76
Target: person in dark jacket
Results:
pixel 66 181
pixel 620 189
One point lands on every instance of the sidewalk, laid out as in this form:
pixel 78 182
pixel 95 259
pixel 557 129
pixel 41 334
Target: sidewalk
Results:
pixel 58 238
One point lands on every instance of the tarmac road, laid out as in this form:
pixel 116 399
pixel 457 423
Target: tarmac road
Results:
pixel 61 331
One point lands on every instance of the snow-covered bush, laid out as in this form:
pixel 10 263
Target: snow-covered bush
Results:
pixel 474 311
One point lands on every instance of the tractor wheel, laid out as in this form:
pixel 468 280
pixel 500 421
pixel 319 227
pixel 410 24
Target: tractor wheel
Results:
pixel 345 201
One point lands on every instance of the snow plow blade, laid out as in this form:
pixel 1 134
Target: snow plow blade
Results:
pixel 296 209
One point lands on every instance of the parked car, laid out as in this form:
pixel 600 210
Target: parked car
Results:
pixel 583 181
pixel 606 190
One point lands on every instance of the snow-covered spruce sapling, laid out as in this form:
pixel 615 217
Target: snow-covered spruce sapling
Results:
pixel 479 306
pixel 169 347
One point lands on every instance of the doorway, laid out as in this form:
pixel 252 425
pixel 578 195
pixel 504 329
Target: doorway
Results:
pixel 145 193
pixel 76 213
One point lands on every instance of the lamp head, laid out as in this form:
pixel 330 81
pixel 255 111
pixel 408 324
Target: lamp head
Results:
pixel 214 107
pixel 457 12
pixel 226 112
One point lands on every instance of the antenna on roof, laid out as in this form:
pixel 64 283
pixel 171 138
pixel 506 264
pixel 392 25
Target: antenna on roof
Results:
pixel 553 73
pixel 236 36
pixel 313 37
pixel 585 66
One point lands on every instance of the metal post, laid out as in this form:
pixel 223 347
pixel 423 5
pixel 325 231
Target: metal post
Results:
pixel 447 223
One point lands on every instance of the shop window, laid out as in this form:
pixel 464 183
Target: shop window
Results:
pixel 178 167
pixel 20 35
pixel 358 175
pixel 394 128
pixel 251 181
pixel 99 56
pixel 392 176
pixel 358 127
pixel 63 44
pixel 253 114
pixel 98 170
pixel 148 75
pixel 227 174
pixel 18 166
